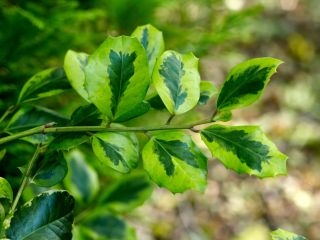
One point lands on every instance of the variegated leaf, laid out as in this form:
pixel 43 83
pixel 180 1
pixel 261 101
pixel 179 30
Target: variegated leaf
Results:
pixel 152 40
pixel 74 64
pixel 117 150
pixel 174 161
pixel 245 149
pixel 116 76
pixel 177 81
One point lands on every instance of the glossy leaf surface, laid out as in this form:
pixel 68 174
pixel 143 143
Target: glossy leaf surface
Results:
pixel 116 150
pixel 116 76
pixel 281 234
pixel 173 161
pixel 47 216
pixel 245 149
pixel 245 83
pixel 44 84
pixel 152 41
pixel 74 64
pixel 177 81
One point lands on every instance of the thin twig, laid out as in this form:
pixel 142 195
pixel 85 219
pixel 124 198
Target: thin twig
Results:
pixel 25 179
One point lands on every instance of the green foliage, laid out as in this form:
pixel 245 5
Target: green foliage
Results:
pixel 114 81
pixel 177 81
pixel 118 151
pixel 50 169
pixel 174 161
pixel 246 82
pixel 281 234
pixel 47 216
pixel 152 41
pixel 81 180
pixel 44 84
pixel 104 225
pixel 5 190
pixel 117 73
pixel 127 193
pixel 245 149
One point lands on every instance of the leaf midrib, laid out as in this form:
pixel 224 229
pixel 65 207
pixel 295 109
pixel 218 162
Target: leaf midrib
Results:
pixel 234 143
pixel 30 234
pixel 237 88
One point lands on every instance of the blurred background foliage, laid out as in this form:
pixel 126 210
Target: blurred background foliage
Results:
pixel 35 35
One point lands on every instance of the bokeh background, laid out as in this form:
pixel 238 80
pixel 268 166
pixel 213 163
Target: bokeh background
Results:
pixel 35 35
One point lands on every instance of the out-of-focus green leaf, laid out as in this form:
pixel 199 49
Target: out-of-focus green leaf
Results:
pixel 44 84
pixel 152 41
pixel 117 76
pixel 50 169
pixel 47 216
pixel 33 116
pixel 245 83
pixel 116 150
pixel 106 226
pixel 2 153
pixel 82 180
pixel 245 149
pixel 127 193
pixel 67 141
pixel 281 234
pixel 5 190
pixel 207 91
pixel 173 161
pixel 86 115
pixel 177 81
pixel 74 64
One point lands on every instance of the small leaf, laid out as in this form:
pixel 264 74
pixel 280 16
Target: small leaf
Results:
pixel 67 141
pixel 245 149
pixel 87 115
pixel 127 193
pixel 177 81
pixel 223 116
pixel 33 116
pixel 207 91
pixel 104 225
pixel 152 41
pixel 47 216
pixel 245 83
pixel 118 151
pixel 117 76
pixel 82 180
pixel 281 234
pixel 50 169
pixel 74 64
pixel 5 190
pixel 173 160
pixel 44 84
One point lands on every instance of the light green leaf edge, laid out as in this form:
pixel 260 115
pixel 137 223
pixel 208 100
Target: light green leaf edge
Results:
pixel 185 176
pixel 124 145
pixel 152 40
pixel 97 81
pixel 281 234
pixel 74 64
pixel 249 98
pixel 189 82
pixel 39 80
pixel 5 190
pixel 276 165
